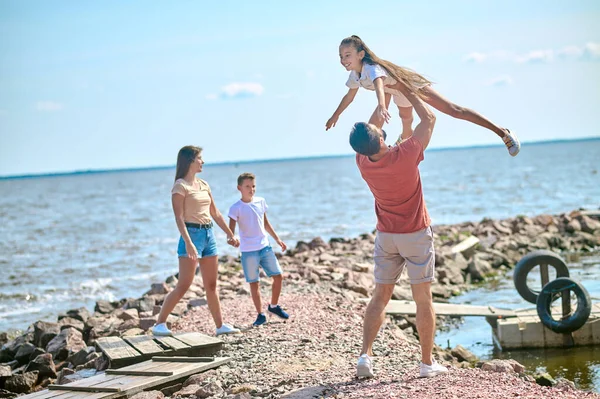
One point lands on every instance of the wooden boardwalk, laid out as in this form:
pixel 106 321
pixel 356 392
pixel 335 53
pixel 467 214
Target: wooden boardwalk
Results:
pixel 157 373
pixel 448 309
pixel 129 350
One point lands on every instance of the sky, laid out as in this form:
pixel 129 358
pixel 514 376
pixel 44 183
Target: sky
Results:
pixel 88 85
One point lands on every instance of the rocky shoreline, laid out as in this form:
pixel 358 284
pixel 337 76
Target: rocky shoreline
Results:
pixel 323 284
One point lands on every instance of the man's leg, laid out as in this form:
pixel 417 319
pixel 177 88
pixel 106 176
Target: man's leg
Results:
pixel 375 315
pixel 425 319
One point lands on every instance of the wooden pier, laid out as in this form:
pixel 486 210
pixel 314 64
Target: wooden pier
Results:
pixel 514 329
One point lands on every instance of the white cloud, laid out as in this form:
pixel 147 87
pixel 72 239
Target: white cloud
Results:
pixel 241 90
pixel 500 81
pixel 591 51
pixel 588 52
pixel 475 57
pixel 48 106
pixel 537 56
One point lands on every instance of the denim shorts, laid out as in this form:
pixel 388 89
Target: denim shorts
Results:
pixel 264 258
pixel 204 241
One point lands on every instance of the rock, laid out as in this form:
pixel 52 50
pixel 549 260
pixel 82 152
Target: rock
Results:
pixel 463 354
pixel 317 242
pixel 80 357
pixel 402 293
pixel 129 314
pixel 104 307
pixel 545 380
pixel 129 324
pixel 565 385
pixel 90 362
pixel 132 332
pixel 453 274
pixel 22 383
pixel 81 314
pixel 4 394
pixel 68 321
pixel 147 322
pixel 43 332
pixel 440 291
pixel 158 289
pixel 573 226
pixel 479 269
pixel 103 324
pixel 244 388
pixel 209 389
pixel 149 395
pixel 5 371
pixel 68 341
pixel 145 304
pixel 243 395
pixel 501 366
pixel 588 224
pixel 181 308
pixel 188 391
pixel 466 247
pixel 44 365
pixel 24 353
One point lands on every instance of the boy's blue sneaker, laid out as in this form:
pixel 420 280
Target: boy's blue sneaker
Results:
pixel 277 311
pixel 260 320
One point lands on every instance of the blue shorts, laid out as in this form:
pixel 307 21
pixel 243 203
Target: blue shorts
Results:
pixel 204 241
pixel 264 258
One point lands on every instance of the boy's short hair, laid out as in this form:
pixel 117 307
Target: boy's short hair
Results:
pixel 364 139
pixel 244 176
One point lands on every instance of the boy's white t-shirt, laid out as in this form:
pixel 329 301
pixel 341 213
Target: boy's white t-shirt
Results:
pixel 250 217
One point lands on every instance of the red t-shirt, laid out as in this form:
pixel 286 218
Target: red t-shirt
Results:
pixel 395 183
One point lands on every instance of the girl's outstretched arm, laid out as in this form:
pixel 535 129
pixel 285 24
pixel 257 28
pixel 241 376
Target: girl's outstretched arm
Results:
pixel 381 109
pixel 346 101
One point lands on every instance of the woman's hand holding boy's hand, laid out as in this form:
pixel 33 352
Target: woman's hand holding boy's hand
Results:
pixel 233 241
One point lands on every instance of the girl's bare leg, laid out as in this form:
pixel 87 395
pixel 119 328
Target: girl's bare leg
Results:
pixel 209 270
pixel 406 114
pixel 442 104
pixel 187 268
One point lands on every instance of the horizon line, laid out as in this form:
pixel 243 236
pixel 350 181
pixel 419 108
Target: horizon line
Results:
pixel 310 157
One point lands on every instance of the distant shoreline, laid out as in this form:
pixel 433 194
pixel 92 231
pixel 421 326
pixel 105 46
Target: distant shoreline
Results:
pixel 307 158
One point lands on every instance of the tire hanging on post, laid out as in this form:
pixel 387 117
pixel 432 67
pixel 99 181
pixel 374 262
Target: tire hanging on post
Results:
pixel 551 292
pixel 528 262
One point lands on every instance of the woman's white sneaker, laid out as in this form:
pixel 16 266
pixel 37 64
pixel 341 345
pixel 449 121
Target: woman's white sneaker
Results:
pixel 433 370
pixel 227 329
pixel 161 330
pixel 364 367
pixel 512 143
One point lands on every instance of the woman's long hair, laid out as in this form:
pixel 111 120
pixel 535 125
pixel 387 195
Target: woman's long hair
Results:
pixel 185 158
pixel 413 80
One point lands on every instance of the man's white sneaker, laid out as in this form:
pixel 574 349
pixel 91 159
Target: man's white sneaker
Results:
pixel 364 367
pixel 227 329
pixel 512 143
pixel 433 370
pixel 161 330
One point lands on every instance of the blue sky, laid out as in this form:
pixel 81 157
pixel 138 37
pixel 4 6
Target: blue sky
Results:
pixel 113 84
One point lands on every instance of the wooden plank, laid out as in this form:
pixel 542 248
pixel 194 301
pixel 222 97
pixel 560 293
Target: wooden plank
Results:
pixel 68 387
pixel 183 359
pixel 47 394
pixel 144 344
pixel 448 309
pixel 119 353
pixel 140 373
pixel 200 344
pixel 177 347
pixel 197 339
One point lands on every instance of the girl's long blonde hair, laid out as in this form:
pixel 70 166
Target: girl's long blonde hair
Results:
pixel 413 80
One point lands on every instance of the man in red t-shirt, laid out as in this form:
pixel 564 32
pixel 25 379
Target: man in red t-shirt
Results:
pixel 404 237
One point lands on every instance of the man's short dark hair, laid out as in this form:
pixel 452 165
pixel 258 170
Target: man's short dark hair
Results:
pixel 364 139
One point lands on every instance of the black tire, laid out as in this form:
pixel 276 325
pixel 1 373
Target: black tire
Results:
pixel 550 292
pixel 528 262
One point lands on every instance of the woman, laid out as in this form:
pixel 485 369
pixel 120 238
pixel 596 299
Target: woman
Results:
pixel 194 206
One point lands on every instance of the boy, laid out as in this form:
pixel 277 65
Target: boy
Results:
pixel 250 213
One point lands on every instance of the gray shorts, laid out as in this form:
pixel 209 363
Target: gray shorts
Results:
pixel 414 251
